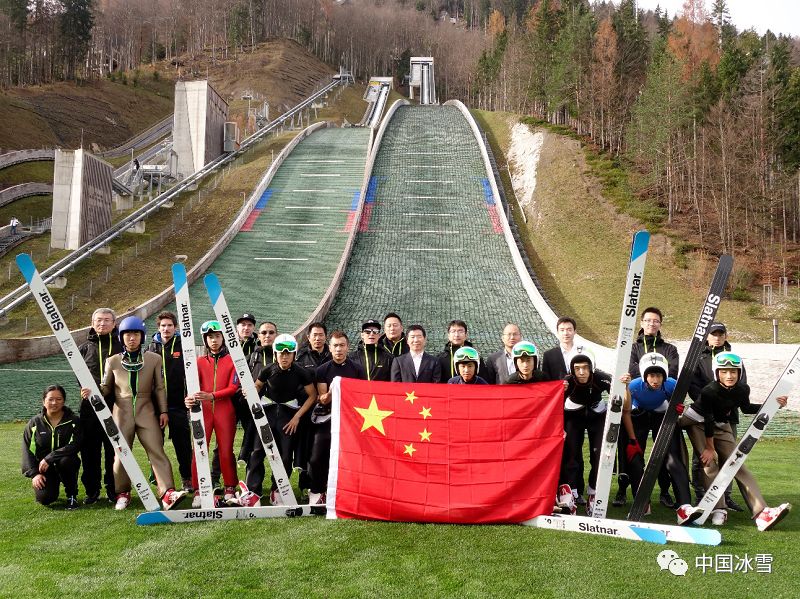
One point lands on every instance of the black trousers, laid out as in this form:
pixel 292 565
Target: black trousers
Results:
pixel 96 448
pixel 646 424
pixel 63 470
pixel 319 461
pixel 180 435
pixel 278 416
pixel 576 424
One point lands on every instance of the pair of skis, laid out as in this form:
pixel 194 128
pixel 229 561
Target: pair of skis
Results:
pixel 122 449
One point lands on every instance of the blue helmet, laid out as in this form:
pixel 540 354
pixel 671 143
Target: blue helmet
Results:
pixel 132 323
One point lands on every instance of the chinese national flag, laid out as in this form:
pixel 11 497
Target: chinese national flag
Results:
pixel 444 453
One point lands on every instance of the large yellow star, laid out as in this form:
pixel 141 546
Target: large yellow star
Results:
pixel 409 449
pixel 373 417
pixel 411 397
pixel 425 435
pixel 425 413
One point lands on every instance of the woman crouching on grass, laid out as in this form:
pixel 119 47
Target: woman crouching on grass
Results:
pixel 50 444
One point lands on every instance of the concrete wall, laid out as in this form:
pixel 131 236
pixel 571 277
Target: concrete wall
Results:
pixel 198 125
pixel 82 198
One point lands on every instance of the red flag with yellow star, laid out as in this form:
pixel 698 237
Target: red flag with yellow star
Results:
pixel 444 453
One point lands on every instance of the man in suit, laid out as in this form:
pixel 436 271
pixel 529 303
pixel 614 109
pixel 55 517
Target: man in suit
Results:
pixel 417 366
pixel 555 361
pixel 500 364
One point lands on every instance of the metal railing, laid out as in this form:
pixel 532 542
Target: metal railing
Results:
pixel 66 264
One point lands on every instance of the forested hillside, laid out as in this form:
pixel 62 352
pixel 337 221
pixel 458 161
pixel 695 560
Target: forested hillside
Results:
pixel 705 118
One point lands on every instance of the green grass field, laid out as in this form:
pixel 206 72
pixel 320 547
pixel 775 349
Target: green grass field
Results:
pixel 47 552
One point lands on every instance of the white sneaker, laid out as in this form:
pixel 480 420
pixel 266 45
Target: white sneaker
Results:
pixel 229 498
pixel 688 514
pixel 565 500
pixel 171 498
pixel 719 517
pixel 770 516
pixel 316 498
pixel 196 502
pixel 123 501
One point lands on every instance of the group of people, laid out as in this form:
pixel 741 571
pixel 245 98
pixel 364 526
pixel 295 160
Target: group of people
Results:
pixel 147 391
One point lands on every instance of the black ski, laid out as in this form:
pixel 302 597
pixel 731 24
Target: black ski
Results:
pixel 664 436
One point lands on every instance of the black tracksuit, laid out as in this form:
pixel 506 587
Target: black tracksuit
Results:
pixel 446 360
pixel 57 445
pixel 396 348
pixel 175 386
pixel 95 443
pixel 374 360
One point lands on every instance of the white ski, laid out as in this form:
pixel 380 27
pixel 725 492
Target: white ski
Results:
pixel 628 530
pixel 625 338
pixel 786 382
pixel 219 514
pixel 599 526
pixel 249 388
pixel 193 385
pixel 86 380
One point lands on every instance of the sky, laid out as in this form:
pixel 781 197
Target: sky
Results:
pixel 780 16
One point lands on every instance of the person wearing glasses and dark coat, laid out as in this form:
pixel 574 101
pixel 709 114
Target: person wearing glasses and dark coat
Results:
pixel 370 355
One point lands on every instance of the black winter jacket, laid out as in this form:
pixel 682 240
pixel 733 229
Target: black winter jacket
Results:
pixel 40 441
pixel 649 344
pixel 374 360
pixel 171 369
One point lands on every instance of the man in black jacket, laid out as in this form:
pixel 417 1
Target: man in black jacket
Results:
pixel 393 339
pixel 456 339
pixel 716 342
pixel 102 343
pixel 167 344
pixel 374 359
pixel 417 366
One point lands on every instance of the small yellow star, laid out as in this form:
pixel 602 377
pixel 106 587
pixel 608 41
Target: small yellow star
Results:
pixel 425 435
pixel 425 413
pixel 409 449
pixel 373 417
pixel 411 397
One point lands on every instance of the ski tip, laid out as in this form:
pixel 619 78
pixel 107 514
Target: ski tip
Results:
pixel 26 267
pixel 640 242
pixel 149 518
pixel 213 287
pixel 649 535
pixel 178 275
pixel 704 536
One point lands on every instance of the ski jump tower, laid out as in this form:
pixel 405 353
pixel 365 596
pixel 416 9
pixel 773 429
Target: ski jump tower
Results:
pixel 198 125
pixel 82 197
pixel 423 78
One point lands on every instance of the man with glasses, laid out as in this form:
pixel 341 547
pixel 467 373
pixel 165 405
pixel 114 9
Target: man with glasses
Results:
pixel 649 340
pixel 262 354
pixel 500 364
pixel 102 343
pixel 288 394
pixel 369 355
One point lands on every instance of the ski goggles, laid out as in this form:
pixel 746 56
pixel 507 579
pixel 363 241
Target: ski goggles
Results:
pixel 524 349
pixel 729 361
pixel 211 326
pixel 289 346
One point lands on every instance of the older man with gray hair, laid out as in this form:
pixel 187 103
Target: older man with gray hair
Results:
pixel 102 343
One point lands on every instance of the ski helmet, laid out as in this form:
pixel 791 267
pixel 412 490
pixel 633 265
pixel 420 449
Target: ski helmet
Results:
pixel 653 361
pixel 582 355
pixel 284 343
pixel 210 326
pixel 467 354
pixel 525 348
pixel 726 359
pixel 132 323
